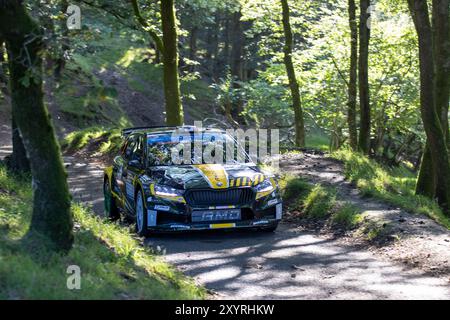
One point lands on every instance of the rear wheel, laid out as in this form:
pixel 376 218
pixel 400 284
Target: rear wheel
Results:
pixel 141 216
pixel 111 209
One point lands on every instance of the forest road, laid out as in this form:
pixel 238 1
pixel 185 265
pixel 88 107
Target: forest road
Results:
pixel 287 264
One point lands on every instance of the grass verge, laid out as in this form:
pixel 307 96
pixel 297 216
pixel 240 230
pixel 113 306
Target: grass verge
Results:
pixel 393 185
pixel 112 261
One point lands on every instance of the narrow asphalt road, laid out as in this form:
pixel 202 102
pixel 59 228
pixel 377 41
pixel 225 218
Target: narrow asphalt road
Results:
pixel 286 264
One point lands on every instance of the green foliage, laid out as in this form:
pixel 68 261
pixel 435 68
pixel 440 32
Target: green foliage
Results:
pixel 99 140
pixel 294 188
pixel 319 202
pixel 394 185
pixel 84 98
pixel 348 216
pixel 113 263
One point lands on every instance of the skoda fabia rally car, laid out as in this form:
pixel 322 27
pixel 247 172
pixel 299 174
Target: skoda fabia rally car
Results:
pixel 150 185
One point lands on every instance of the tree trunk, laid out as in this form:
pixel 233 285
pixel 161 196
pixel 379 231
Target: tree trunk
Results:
pixel 215 48
pixel 60 63
pixel 227 42
pixel 3 70
pixel 293 84
pixel 430 117
pixel 426 184
pixel 174 109
pixel 236 62
pixel 51 200
pixel 19 160
pixel 364 38
pixel 193 47
pixel 441 26
pixel 352 85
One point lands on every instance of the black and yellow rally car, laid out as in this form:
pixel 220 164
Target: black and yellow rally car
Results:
pixel 146 184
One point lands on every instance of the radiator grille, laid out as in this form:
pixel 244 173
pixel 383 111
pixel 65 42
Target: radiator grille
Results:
pixel 236 196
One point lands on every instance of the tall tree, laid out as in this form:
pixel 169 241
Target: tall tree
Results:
pixel 51 215
pixel 437 147
pixel 18 160
pixel 293 83
pixel 441 28
pixel 364 95
pixel 168 46
pixel 237 61
pixel 174 110
pixel 352 84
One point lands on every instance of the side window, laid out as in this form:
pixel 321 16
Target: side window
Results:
pixel 123 147
pixel 131 144
pixel 138 151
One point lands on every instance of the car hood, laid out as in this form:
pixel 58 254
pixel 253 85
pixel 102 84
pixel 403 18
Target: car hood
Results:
pixel 215 176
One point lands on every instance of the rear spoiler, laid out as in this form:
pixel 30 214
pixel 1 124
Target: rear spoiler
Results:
pixel 128 131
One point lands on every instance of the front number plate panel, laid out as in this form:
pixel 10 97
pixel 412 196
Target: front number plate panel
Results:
pixel 216 215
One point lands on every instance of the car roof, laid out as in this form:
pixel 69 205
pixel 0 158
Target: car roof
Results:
pixel 160 130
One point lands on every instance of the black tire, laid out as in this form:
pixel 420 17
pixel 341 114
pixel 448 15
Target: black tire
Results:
pixel 111 209
pixel 141 215
pixel 270 229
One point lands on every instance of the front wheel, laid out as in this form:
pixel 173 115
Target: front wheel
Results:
pixel 141 216
pixel 111 209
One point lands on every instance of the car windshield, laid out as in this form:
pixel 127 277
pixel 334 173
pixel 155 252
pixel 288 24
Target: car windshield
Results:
pixel 165 149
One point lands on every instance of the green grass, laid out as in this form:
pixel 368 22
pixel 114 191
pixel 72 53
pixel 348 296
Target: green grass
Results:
pixel 319 202
pixel 392 185
pixel 113 263
pixel 348 216
pixel 100 140
pixel 294 188
pixel 314 201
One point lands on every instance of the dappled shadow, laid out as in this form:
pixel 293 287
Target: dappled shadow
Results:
pixel 291 265
pixel 86 182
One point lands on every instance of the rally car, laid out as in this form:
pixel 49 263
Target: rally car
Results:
pixel 145 183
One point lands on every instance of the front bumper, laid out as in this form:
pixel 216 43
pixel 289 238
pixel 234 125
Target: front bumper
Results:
pixel 167 216
pixel 218 225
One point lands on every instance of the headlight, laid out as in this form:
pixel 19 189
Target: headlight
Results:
pixel 265 186
pixel 165 191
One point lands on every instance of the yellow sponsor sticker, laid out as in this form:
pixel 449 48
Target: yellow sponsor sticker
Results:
pixel 222 225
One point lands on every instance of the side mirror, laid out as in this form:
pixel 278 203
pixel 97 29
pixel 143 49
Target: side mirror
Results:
pixel 135 164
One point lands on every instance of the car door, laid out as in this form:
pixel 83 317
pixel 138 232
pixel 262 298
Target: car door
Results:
pixel 133 169
pixel 119 162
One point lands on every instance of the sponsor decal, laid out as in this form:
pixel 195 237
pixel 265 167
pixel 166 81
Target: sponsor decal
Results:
pixel 151 218
pixel 162 208
pixel 222 225
pixel 279 211
pixel 129 190
pixel 215 174
pixel 179 226
pixel 256 223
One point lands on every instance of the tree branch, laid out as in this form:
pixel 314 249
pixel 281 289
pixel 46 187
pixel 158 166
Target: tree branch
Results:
pixel 158 42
